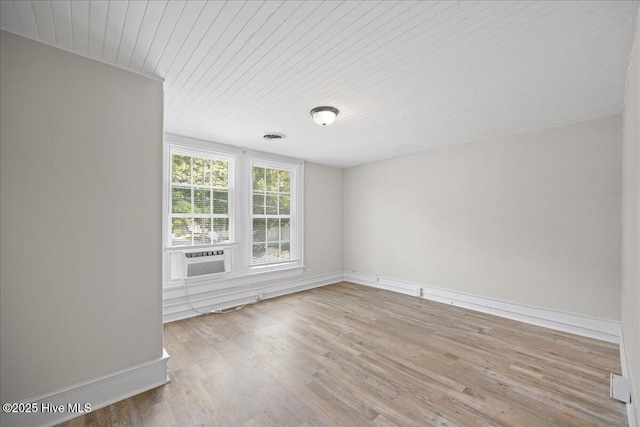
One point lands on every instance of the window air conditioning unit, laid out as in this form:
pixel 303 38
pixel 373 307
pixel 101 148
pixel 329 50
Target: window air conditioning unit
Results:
pixel 205 263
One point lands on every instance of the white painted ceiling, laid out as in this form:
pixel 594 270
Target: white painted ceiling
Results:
pixel 406 76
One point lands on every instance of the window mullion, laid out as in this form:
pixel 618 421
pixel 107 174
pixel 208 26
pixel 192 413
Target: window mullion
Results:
pixel 192 202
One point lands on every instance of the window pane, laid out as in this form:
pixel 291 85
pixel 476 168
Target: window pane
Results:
pixel 180 234
pixel 273 252
pixel 180 200
pixel 220 230
pixel 258 255
pixel 285 251
pixel 202 201
pixel 285 230
pixel 273 230
pixel 201 171
pixel 220 202
pixel 258 203
pixel 259 229
pixel 284 204
pixel 285 185
pixel 180 169
pixel 220 173
pixel 272 179
pixel 272 204
pixel 201 228
pixel 258 179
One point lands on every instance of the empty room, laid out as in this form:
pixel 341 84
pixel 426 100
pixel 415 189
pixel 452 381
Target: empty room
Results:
pixel 319 213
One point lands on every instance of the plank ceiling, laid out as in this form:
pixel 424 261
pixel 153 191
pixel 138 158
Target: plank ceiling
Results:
pixel 406 76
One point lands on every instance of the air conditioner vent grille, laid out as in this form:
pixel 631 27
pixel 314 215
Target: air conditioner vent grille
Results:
pixel 204 253
pixel 274 136
pixel 206 262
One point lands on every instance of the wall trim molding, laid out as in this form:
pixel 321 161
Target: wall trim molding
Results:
pixel 84 55
pixel 99 392
pixel 198 286
pixel 626 373
pixel 579 324
pixel 203 303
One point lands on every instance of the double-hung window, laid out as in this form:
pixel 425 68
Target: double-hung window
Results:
pixel 271 216
pixel 199 206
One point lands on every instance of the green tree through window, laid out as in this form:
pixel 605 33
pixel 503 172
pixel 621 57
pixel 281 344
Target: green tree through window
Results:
pixel 271 215
pixel 199 205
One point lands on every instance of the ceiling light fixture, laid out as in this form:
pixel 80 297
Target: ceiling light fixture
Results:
pixel 324 115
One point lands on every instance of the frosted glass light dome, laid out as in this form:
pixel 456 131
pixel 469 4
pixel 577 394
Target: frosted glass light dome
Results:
pixel 324 115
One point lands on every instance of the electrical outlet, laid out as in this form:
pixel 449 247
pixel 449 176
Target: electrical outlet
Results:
pixel 377 278
pixel 259 295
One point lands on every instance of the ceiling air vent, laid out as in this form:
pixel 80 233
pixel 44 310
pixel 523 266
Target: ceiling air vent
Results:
pixel 274 136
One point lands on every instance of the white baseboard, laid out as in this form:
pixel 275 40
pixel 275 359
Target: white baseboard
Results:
pixel 198 285
pixel 99 392
pixel 626 372
pixel 592 327
pixel 199 304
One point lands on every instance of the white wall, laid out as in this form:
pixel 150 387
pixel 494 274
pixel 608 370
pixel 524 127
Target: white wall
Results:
pixel 323 220
pixel 631 222
pixel 533 219
pixel 81 176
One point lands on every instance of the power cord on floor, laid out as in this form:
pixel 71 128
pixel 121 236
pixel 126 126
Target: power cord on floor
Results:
pixel 230 310
pixel 186 294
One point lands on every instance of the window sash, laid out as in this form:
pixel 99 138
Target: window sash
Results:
pixel 203 227
pixel 266 249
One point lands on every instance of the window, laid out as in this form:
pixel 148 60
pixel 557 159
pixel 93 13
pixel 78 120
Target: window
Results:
pixel 271 216
pixel 199 202
pixel 241 205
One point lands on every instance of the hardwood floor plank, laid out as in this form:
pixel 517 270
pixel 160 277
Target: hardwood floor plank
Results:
pixel 348 355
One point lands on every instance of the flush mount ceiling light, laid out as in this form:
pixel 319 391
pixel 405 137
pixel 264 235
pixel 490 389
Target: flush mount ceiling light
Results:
pixel 324 115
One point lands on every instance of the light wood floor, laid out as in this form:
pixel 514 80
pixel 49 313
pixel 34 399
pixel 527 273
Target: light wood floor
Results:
pixel 345 355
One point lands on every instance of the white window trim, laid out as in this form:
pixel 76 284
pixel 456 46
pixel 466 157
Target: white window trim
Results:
pixel 240 160
pixel 296 216
pixel 214 155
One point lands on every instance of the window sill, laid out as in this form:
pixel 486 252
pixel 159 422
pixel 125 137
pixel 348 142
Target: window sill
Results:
pixel 203 246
